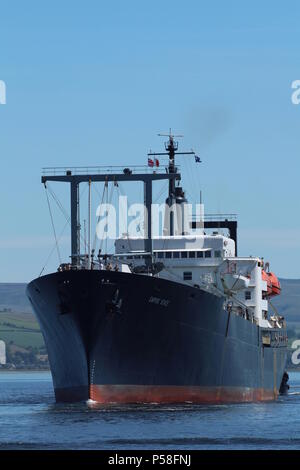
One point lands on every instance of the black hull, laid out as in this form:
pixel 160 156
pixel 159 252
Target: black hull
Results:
pixel 117 337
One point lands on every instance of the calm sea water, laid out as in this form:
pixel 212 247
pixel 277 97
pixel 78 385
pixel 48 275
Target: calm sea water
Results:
pixel 30 419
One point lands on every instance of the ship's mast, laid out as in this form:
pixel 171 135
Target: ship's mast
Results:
pixel 171 147
pixel 74 179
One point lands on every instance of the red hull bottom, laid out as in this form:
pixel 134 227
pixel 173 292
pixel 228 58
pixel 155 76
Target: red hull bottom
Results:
pixel 177 394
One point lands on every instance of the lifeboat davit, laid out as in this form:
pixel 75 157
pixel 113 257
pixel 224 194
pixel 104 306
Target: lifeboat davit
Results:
pixel 273 284
pixel 234 282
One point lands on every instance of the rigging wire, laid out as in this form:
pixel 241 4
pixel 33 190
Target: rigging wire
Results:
pixel 58 203
pixel 108 202
pixel 63 210
pixel 122 193
pixel 68 222
pixel 106 218
pixel 102 198
pixel 52 250
pixel 53 226
pixel 90 221
pixel 162 190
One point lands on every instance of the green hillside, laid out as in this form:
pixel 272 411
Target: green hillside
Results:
pixel 288 303
pixel 13 296
pixel 25 348
pixel 20 328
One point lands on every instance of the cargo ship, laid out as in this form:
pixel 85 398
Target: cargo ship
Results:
pixel 171 318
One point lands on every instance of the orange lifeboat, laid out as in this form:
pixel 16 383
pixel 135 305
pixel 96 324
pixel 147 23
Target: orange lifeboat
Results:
pixel 273 284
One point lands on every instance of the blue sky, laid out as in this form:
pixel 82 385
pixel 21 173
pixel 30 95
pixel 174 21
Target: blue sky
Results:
pixel 92 83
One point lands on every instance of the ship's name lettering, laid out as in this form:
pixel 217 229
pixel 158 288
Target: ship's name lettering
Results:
pixel 158 301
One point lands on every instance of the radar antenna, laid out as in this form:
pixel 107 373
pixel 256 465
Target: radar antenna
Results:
pixel 171 147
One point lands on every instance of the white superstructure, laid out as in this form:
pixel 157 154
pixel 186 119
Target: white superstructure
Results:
pixel 206 262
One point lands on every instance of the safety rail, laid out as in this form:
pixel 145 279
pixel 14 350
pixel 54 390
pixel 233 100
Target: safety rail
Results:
pixel 216 217
pixel 101 170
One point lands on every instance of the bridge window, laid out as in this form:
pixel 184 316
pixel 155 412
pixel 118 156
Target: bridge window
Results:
pixel 192 254
pixel 184 254
pixel 208 254
pixel 160 254
pixel 199 254
pixel 175 254
pixel 247 295
pixel 187 276
pixel 217 253
pixel 168 254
